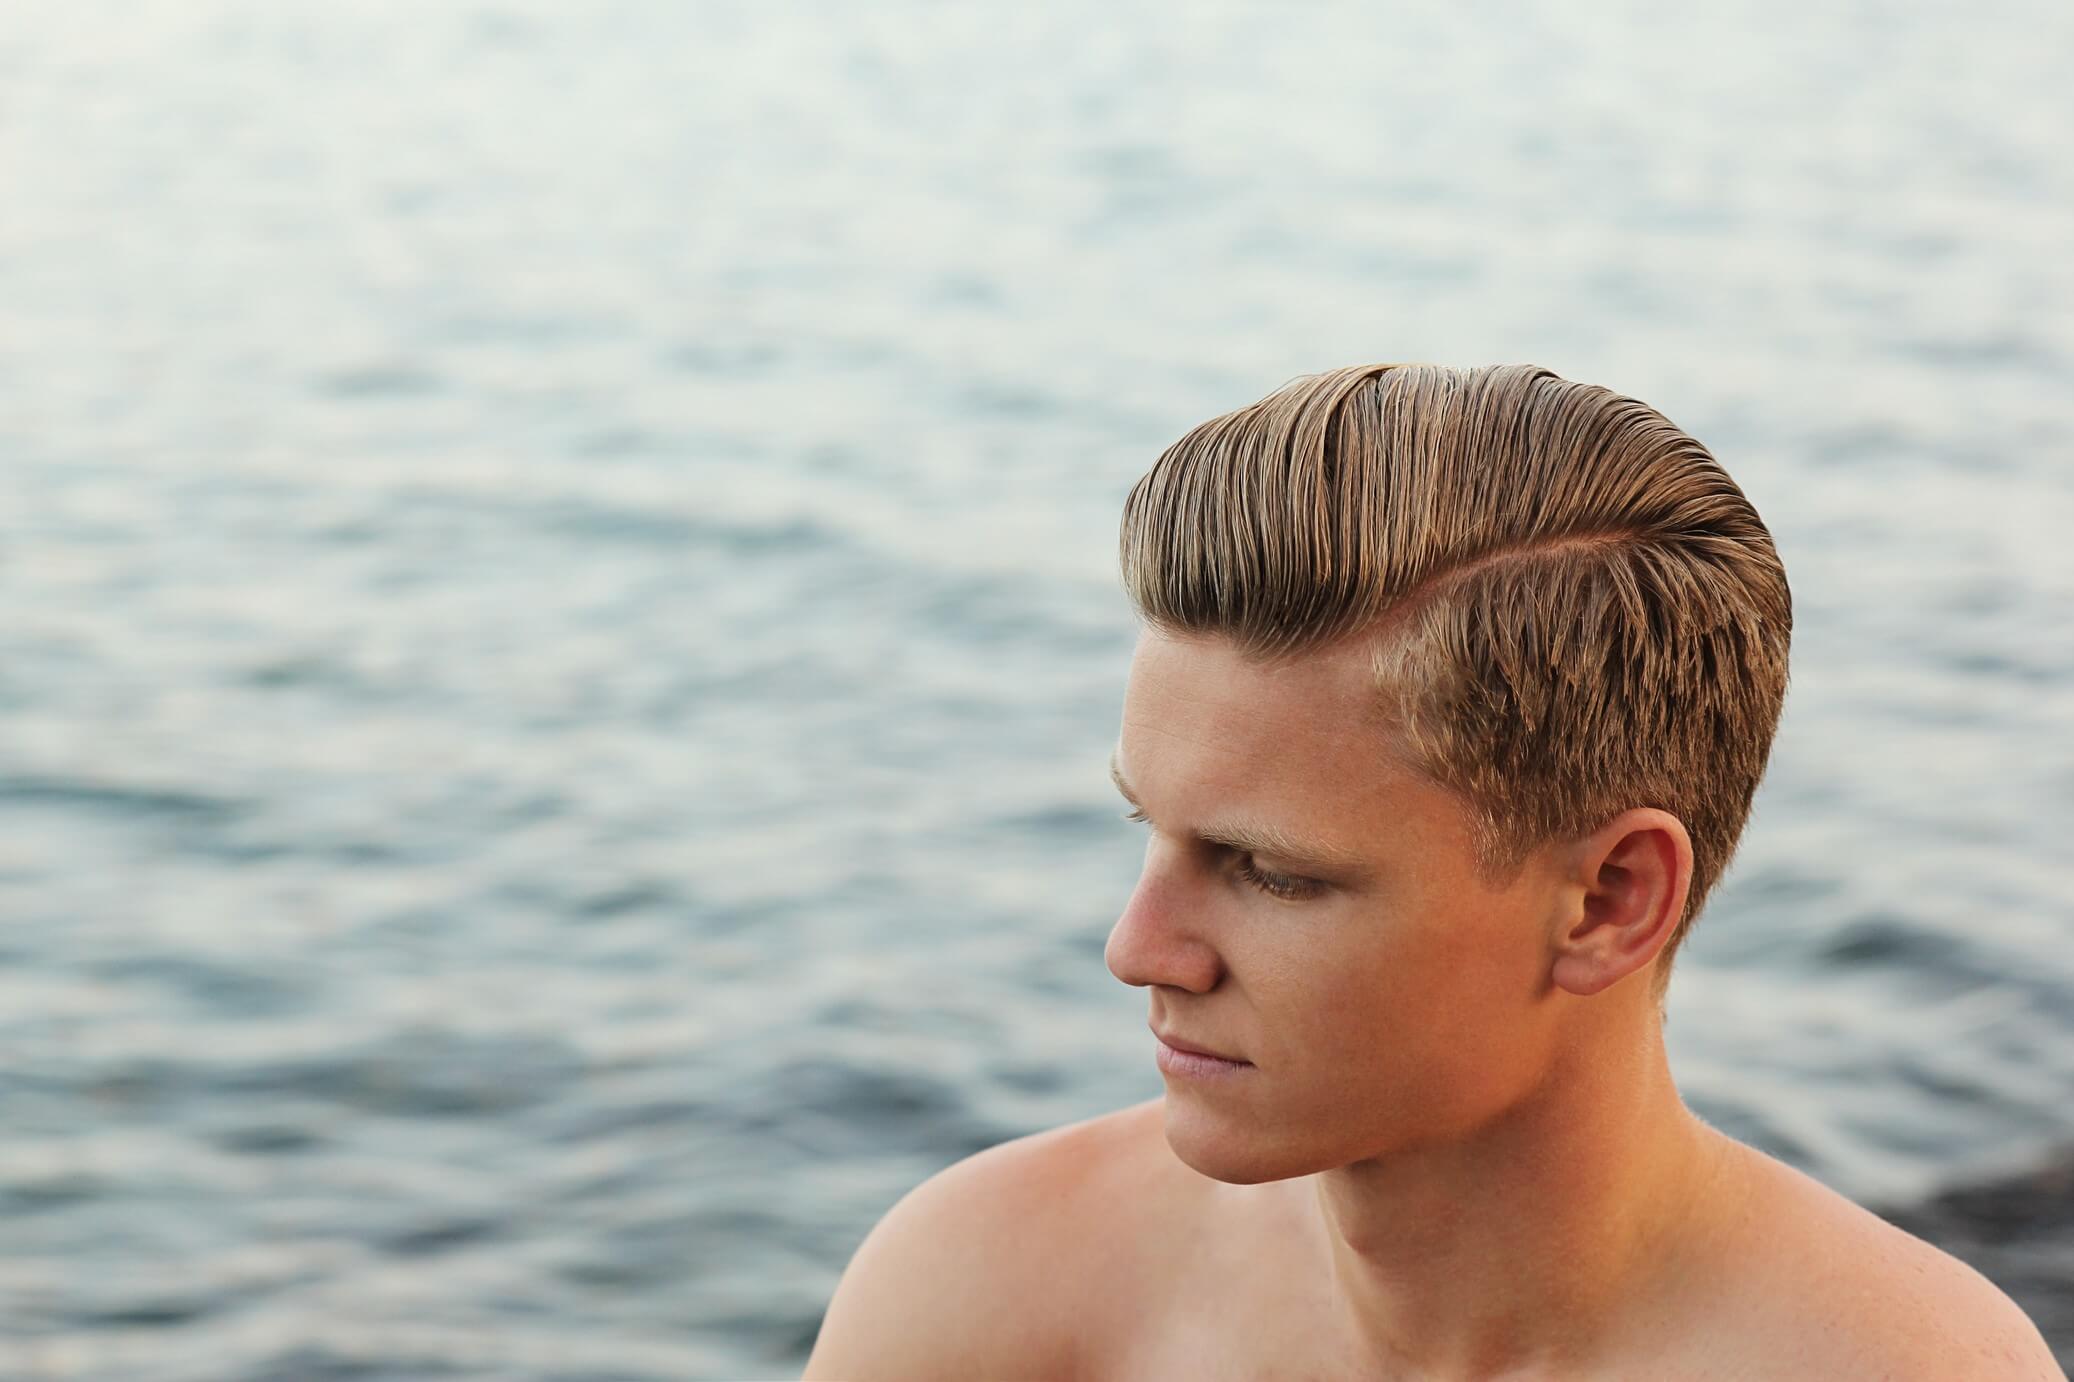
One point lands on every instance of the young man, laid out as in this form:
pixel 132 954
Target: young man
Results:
pixel 1454 689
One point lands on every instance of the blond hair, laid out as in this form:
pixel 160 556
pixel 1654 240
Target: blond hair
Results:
pixel 1575 611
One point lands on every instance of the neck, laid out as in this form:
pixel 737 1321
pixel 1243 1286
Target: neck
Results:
pixel 1533 1239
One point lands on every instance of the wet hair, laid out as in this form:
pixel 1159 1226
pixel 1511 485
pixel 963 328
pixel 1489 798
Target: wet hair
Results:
pixel 1572 609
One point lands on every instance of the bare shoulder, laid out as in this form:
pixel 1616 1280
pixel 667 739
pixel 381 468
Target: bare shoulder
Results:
pixel 1856 1294
pixel 984 1268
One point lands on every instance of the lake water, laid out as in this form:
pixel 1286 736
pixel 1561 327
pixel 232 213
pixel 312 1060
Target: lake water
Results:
pixel 562 635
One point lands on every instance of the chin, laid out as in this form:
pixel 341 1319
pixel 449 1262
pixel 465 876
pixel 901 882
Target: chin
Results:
pixel 1229 1146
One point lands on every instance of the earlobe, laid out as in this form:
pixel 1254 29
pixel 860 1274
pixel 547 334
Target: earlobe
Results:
pixel 1584 974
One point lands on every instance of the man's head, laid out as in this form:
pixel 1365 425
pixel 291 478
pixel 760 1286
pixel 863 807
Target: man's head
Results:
pixel 1514 648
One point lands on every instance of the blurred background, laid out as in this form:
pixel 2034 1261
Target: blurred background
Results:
pixel 561 629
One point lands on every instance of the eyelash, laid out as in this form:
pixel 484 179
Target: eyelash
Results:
pixel 1275 885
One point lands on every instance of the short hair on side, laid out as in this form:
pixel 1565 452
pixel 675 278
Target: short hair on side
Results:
pixel 1574 610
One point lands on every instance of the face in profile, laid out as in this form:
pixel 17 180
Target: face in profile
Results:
pixel 1310 906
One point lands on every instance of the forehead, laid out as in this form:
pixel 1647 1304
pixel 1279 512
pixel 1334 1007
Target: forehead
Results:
pixel 1304 738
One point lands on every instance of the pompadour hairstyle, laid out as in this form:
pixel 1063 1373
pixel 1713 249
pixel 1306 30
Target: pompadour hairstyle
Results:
pixel 1573 609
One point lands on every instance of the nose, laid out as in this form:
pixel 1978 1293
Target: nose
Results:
pixel 1155 943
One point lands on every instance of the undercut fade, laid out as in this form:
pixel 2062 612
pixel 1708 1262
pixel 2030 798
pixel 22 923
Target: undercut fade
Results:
pixel 1572 609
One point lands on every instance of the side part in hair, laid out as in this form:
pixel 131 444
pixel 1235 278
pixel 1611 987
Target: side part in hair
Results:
pixel 1572 609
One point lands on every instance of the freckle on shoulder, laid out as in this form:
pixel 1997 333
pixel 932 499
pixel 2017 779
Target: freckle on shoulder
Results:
pixel 1953 1322
pixel 1879 1294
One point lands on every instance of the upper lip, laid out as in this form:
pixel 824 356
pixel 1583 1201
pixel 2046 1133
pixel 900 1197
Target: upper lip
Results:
pixel 1192 1048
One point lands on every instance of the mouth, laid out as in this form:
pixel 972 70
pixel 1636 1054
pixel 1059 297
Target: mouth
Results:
pixel 1177 1057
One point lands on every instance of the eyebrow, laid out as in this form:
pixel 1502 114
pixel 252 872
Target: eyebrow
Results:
pixel 1258 837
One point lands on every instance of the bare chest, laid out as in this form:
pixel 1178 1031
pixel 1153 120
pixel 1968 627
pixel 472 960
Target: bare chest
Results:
pixel 1256 1316
pixel 1229 1350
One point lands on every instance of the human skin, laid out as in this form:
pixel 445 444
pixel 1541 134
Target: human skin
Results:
pixel 1456 1150
pixel 1469 1079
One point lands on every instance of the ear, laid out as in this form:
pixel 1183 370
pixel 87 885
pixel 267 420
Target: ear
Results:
pixel 1629 883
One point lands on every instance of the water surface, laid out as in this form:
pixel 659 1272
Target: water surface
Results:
pixel 562 635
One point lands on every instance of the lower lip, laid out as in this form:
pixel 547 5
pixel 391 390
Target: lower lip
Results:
pixel 1198 1067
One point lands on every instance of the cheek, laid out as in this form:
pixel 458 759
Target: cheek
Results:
pixel 1350 1011
pixel 1430 1009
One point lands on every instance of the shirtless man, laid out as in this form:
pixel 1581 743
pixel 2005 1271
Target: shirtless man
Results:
pixel 1453 692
